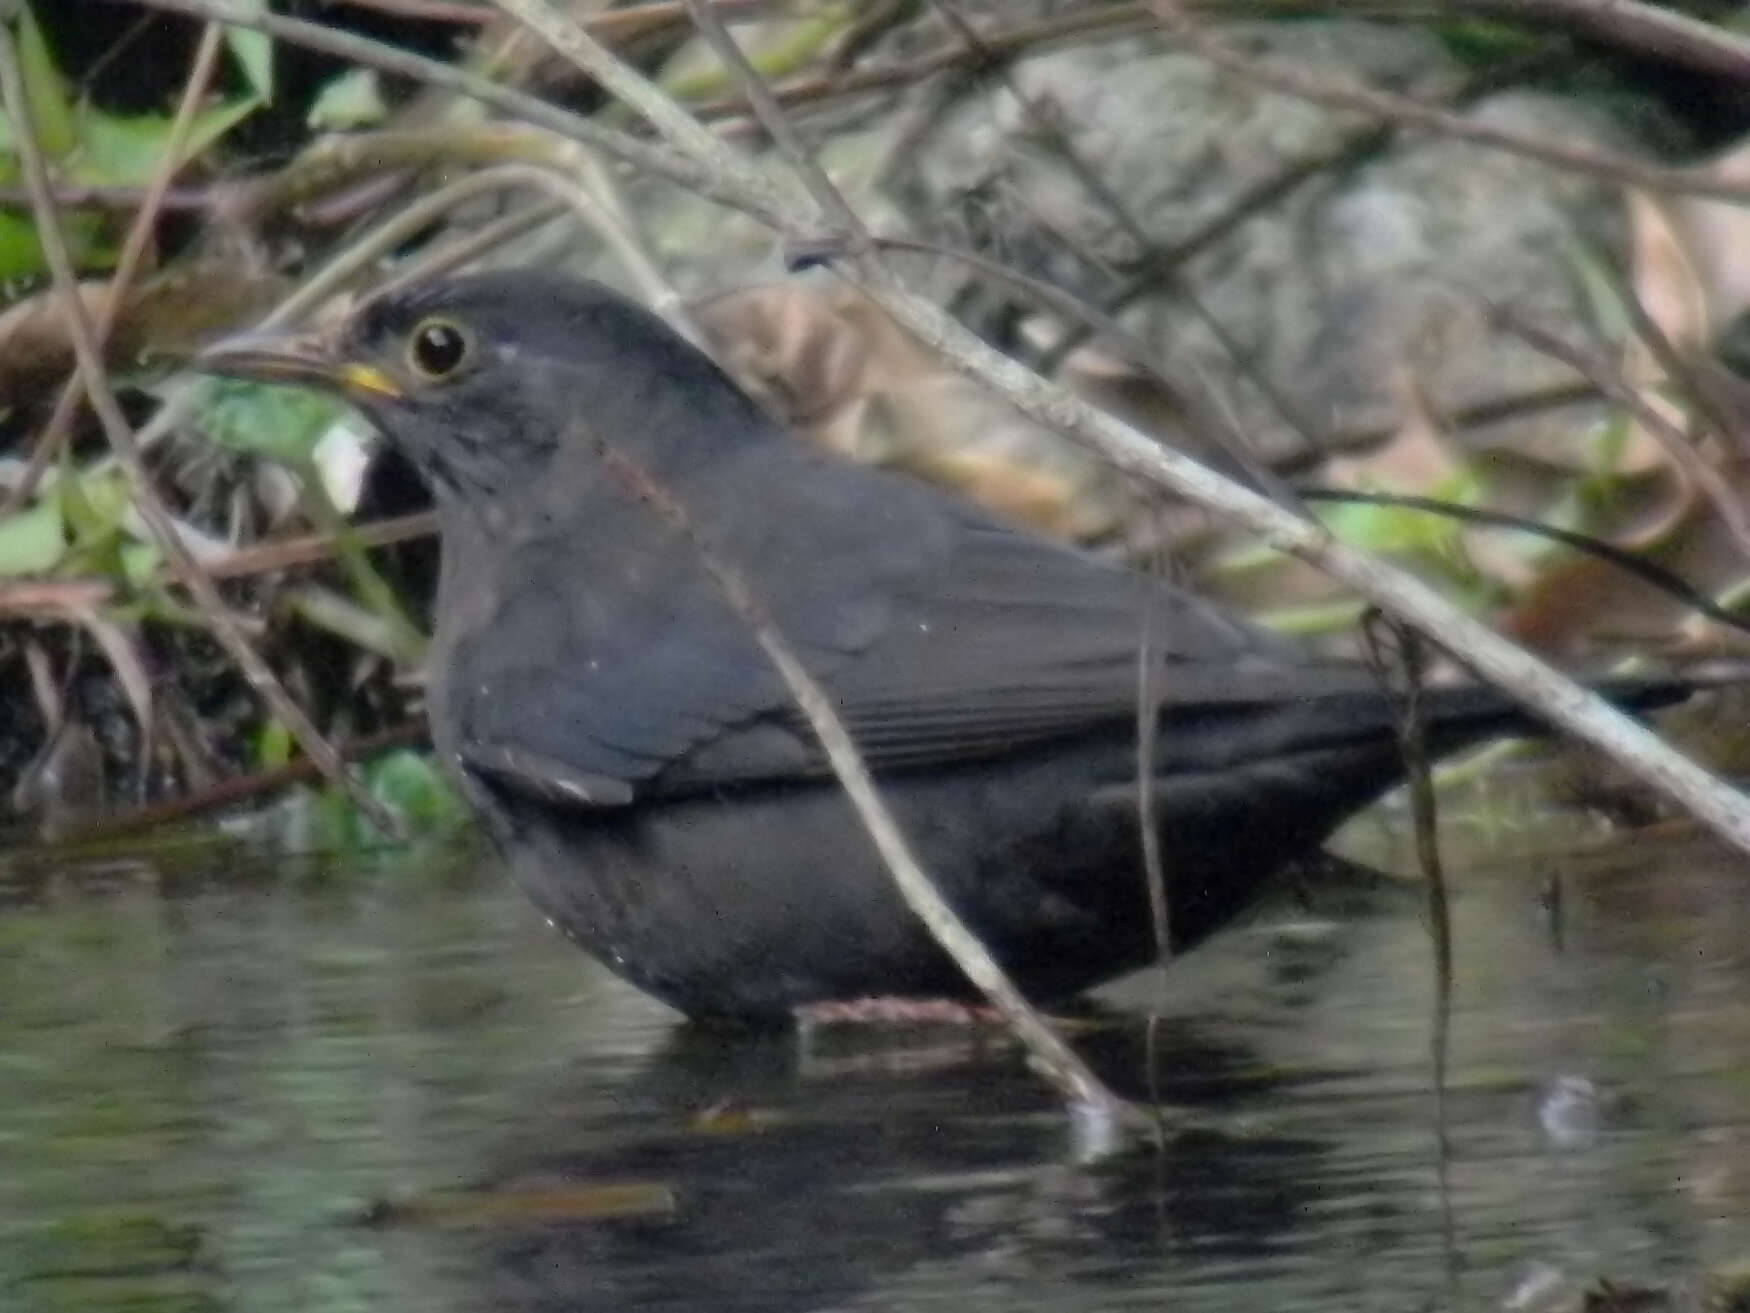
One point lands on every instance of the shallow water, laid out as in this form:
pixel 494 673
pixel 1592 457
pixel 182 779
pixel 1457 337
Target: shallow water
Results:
pixel 227 1086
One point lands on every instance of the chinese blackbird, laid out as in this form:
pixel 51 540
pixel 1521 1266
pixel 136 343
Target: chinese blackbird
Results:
pixel 640 763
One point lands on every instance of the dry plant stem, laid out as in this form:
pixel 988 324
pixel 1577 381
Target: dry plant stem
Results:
pixel 48 443
pixel 121 437
pixel 664 163
pixel 589 211
pixel 1642 29
pixel 242 788
pixel 612 25
pixel 1047 1048
pixel 310 548
pixel 637 92
pixel 1202 416
pixel 1164 266
pixel 1046 126
pixel 1718 409
pixel 1059 1062
pixel 1408 113
pixel 1148 730
pixel 772 118
pixel 1391 644
pixel 1049 129
pixel 463 251
pixel 1695 467
pixel 113 197
pixel 1557 699
pixel 753 194
pixel 1099 23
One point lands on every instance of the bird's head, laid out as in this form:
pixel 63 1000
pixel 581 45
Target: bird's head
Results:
pixel 483 380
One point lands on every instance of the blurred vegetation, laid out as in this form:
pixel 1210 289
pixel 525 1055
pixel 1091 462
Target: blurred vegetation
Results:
pixel 113 697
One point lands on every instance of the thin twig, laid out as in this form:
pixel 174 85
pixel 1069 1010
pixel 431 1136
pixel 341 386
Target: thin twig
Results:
pixel 60 422
pixel 611 25
pixel 1162 267
pixel 241 788
pixel 665 163
pixel 310 548
pixel 1641 29
pixel 1396 650
pixel 1223 436
pixel 1691 464
pixel 1718 410
pixel 1107 22
pixel 122 440
pixel 462 251
pixel 1406 112
pixel 588 210
pixel 920 893
pixel 114 196
pixel 1648 572
pixel 1058 1061
pixel 669 118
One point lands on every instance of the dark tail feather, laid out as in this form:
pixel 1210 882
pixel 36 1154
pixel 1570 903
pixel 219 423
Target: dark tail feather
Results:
pixel 1457 717
pixel 1220 736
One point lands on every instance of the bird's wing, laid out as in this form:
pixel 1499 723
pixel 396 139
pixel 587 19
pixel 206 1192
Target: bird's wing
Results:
pixel 615 669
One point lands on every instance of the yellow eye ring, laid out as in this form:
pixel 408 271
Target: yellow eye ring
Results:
pixel 437 348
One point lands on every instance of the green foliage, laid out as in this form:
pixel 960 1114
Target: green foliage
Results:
pixel 34 540
pixel 283 424
pixel 86 145
pixel 253 52
pixel 273 745
pixel 408 783
pixel 354 99
pixel 411 786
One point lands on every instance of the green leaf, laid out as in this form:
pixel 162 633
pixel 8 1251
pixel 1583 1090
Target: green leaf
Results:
pixel 45 94
pixel 118 150
pixel 33 540
pixel 351 100
pixel 273 746
pixel 21 255
pixel 94 507
pixel 253 52
pixel 283 424
pixel 140 562
pixel 411 785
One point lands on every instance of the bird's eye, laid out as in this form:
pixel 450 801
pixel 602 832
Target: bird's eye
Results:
pixel 437 348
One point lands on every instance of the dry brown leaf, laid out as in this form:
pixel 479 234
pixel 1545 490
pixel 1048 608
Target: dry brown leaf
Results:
pixel 1716 239
pixel 841 372
pixel 1665 279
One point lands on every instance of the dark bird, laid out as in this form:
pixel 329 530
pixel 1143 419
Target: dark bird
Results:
pixel 640 763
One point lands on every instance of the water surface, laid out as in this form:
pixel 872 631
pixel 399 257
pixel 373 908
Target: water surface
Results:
pixel 237 1085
